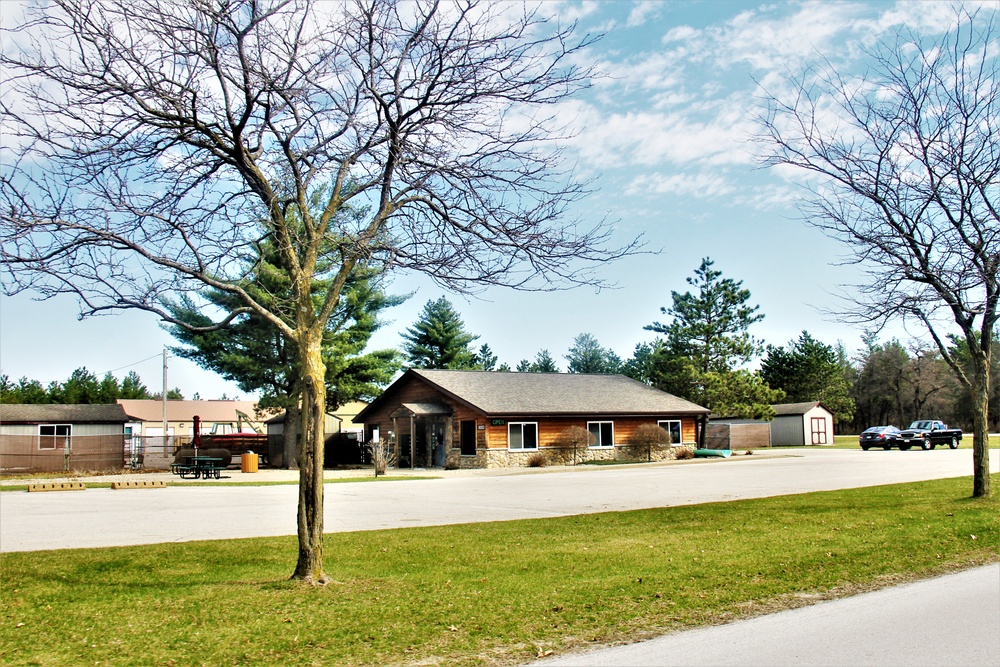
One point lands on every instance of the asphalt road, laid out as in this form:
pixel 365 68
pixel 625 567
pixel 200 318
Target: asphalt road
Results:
pixel 949 620
pixel 103 517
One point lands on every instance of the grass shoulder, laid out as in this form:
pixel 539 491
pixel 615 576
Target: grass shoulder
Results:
pixel 495 593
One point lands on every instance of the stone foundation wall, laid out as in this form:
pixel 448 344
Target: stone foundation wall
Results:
pixel 561 456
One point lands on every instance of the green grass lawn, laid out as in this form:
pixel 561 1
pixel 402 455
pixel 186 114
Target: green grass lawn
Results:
pixel 495 593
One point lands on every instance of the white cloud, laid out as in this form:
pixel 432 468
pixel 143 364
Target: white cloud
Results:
pixel 704 185
pixel 642 11
pixel 682 33
pixel 574 11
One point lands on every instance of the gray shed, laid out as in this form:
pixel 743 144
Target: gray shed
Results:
pixel 797 424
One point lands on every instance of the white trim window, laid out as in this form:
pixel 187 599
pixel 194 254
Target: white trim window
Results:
pixel 522 436
pixel 54 436
pixel 673 427
pixel 603 432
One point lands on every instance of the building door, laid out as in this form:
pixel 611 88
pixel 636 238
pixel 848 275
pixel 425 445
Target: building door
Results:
pixel 404 451
pixel 422 452
pixel 437 438
pixel 467 437
pixel 818 430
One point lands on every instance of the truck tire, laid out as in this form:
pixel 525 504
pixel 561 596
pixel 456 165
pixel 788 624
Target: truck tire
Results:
pixel 887 446
pixel 927 445
pixel 953 443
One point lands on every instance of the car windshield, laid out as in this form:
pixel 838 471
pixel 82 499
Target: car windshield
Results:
pixel 920 425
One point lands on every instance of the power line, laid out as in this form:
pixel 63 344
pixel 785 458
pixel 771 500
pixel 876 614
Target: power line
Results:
pixel 141 361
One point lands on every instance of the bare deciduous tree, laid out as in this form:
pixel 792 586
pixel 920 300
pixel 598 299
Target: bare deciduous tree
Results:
pixel 144 142
pixel 905 169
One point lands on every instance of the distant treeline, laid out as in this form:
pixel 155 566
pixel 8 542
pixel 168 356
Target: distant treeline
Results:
pixel 82 386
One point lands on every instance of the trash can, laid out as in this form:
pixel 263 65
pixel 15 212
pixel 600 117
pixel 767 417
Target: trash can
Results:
pixel 248 462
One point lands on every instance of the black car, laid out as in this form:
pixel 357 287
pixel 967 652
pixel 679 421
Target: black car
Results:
pixel 879 436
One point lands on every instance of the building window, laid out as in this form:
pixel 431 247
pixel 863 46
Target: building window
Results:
pixel 467 437
pixel 54 436
pixel 603 432
pixel 818 430
pixel 673 427
pixel 523 435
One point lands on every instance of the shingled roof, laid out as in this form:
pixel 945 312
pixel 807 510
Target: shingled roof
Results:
pixel 784 409
pixel 51 413
pixel 512 394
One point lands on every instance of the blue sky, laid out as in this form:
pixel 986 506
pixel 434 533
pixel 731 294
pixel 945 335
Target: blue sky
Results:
pixel 666 136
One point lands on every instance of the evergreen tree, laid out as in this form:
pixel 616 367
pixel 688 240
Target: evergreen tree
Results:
pixel 706 343
pixel 132 387
pixel 587 356
pixel 82 387
pixel 251 352
pixel 711 327
pixel 485 358
pixel 23 391
pixel 641 366
pixel 808 370
pixel 438 339
pixel 544 363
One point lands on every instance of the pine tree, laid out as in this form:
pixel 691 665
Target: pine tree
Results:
pixel 587 356
pixel 252 353
pixel 485 358
pixel 438 339
pixel 544 363
pixel 808 370
pixel 705 345
pixel 711 326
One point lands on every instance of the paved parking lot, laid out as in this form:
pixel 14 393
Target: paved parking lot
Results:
pixel 104 517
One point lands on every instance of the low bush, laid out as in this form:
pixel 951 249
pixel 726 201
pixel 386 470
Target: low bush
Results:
pixel 538 460
pixel 684 453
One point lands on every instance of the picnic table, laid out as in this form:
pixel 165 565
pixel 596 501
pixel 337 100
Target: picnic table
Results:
pixel 199 467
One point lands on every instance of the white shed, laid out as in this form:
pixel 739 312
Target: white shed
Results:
pixel 801 424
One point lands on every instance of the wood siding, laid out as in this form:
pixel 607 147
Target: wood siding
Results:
pixel 550 428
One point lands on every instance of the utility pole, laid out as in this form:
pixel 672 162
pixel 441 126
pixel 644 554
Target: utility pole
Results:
pixel 164 399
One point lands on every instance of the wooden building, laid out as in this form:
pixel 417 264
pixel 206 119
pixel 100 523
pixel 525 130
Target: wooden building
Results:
pixel 51 437
pixel 480 419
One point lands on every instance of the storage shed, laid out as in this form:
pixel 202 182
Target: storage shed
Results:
pixel 53 438
pixel 797 424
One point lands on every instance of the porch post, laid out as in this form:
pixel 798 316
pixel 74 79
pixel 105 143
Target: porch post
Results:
pixel 413 442
pixel 395 440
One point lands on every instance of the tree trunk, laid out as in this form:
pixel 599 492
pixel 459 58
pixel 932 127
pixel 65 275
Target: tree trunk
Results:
pixel 290 438
pixel 310 515
pixel 980 429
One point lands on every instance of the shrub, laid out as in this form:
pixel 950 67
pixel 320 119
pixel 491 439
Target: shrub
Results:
pixel 647 435
pixel 538 460
pixel 650 436
pixel 575 438
pixel 383 456
pixel 684 453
